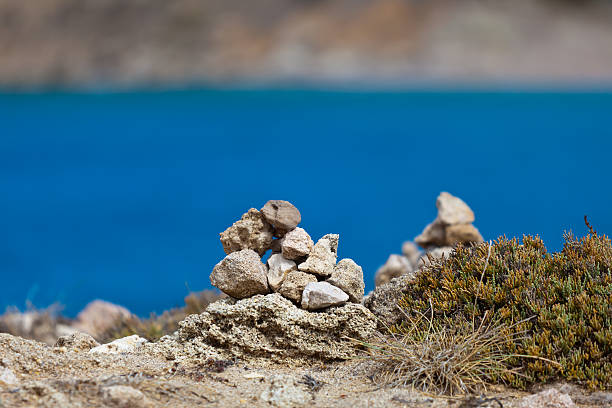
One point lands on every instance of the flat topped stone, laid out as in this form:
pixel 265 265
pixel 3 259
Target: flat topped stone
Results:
pixel 241 274
pixel 319 295
pixel 283 215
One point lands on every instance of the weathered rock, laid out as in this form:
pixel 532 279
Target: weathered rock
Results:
pixel 100 316
pixel 435 254
pixel 77 342
pixel 241 274
pixel 348 276
pixel 8 377
pixel 282 215
pixel 462 233
pixel 411 252
pixel 294 284
pixel 123 396
pixel 252 231
pixel 395 266
pixel 272 326
pixel 278 268
pixel 285 392
pixel 453 210
pixel 433 235
pixel 382 302
pixel 322 258
pixel 296 244
pixel 319 295
pixel 127 344
pixel 551 398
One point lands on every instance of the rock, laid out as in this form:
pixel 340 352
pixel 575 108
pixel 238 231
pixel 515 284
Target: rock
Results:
pixel 435 254
pixel 252 231
pixel 462 233
pixel 278 268
pixel 282 215
pixel 348 276
pixel 319 295
pixel 294 284
pixel 411 252
pixel 127 344
pixel 57 399
pixel 276 246
pixel 99 316
pixel 285 392
pixel 8 377
pixel 395 266
pixel 322 258
pixel 123 396
pixel 453 210
pixel 382 302
pixel 434 235
pixel 77 342
pixel 550 398
pixel 271 326
pixel 296 244
pixel 241 274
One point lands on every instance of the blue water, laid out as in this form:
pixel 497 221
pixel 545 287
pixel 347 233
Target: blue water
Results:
pixel 121 196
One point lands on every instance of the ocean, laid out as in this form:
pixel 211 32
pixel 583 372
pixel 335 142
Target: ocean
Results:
pixel 121 195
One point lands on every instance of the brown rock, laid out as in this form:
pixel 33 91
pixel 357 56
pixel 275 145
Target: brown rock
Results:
pixel 453 210
pixel 433 235
pixel 241 274
pixel 282 215
pixel 294 284
pixel 77 342
pixel 462 233
pixel 252 231
pixel 99 316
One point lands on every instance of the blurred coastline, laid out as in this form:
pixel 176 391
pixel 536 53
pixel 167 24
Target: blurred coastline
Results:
pixel 144 43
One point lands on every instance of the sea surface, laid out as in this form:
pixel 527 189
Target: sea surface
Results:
pixel 121 196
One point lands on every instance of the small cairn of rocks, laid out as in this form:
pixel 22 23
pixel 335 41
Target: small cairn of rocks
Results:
pixel 300 270
pixel 453 225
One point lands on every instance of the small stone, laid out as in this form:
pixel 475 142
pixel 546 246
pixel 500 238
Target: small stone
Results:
pixel 127 344
pixel 348 276
pixel 322 258
pixel 278 268
pixel 319 295
pixel 551 398
pixel 282 215
pixel 77 342
pixel 453 210
pixel 411 252
pixel 285 392
pixel 462 233
pixel 123 396
pixel 294 284
pixel 434 235
pixel 241 274
pixel 395 266
pixel 8 377
pixel 296 244
pixel 252 231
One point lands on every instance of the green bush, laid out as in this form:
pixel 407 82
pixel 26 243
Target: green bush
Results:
pixel 552 306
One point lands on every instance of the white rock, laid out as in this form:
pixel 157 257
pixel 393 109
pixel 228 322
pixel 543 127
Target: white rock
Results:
pixel 278 268
pixel 8 377
pixel 319 295
pixel 453 210
pixel 123 396
pixel 296 244
pixel 241 274
pixel 285 392
pixel 127 344
pixel 348 276
pixel 551 398
pixel 322 258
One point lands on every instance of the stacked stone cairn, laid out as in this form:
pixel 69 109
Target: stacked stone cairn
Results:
pixel 298 269
pixel 453 225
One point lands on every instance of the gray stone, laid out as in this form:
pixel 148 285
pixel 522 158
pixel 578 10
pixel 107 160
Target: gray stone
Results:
pixel 252 231
pixel 322 258
pixel 433 235
pixel 127 344
pixel 382 302
pixel 77 342
pixel 296 244
pixel 462 233
pixel 453 210
pixel 348 276
pixel 551 398
pixel 241 274
pixel 319 295
pixel 123 396
pixel 294 284
pixel 285 392
pixel 282 215
pixel 395 266
pixel 278 268
pixel 271 326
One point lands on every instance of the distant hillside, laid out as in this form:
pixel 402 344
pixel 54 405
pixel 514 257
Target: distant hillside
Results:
pixel 144 42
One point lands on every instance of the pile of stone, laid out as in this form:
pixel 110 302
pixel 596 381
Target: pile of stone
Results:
pixel 452 226
pixel 298 269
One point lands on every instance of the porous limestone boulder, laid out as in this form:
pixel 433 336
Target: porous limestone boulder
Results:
pixel 294 284
pixel 348 276
pixel 319 295
pixel 77 342
pixel 322 258
pixel 252 231
pixel 271 326
pixel 382 301
pixel 453 210
pixel 395 266
pixel 285 391
pixel 127 344
pixel 283 215
pixel 462 233
pixel 241 274
pixel 278 268
pixel 296 244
